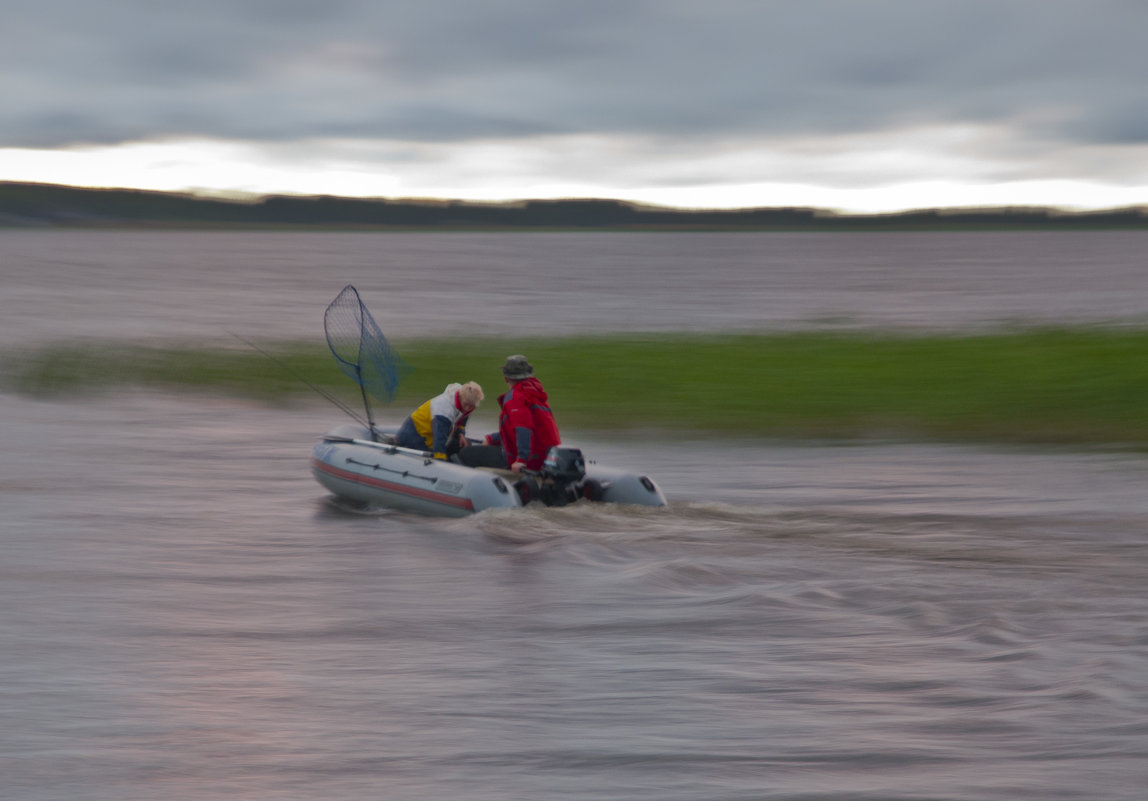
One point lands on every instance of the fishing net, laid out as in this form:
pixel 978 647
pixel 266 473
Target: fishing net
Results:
pixel 360 349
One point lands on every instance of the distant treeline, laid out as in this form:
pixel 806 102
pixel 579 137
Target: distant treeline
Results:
pixel 24 204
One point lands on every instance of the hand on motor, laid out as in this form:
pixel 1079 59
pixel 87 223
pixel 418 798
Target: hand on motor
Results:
pixel 518 467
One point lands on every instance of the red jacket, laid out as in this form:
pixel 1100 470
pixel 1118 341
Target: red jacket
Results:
pixel 526 425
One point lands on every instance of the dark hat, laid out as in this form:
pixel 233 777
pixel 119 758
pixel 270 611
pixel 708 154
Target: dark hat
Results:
pixel 517 368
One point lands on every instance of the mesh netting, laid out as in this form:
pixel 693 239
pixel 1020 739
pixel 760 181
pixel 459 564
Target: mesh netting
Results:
pixel 360 349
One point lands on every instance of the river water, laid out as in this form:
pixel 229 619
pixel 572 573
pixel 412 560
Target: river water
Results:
pixel 184 615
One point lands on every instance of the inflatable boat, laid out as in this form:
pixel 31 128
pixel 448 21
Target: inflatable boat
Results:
pixel 353 466
pixel 362 463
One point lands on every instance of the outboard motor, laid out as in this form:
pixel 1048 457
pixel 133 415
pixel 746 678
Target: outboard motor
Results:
pixel 562 480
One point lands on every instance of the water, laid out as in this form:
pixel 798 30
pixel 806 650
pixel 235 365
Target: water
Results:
pixel 184 615
pixel 60 284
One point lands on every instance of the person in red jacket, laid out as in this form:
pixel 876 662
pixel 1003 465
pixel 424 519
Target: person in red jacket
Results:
pixel 526 427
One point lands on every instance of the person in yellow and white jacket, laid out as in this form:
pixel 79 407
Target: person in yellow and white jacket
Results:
pixel 439 425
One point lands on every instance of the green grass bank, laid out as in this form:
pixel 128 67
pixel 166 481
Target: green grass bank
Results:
pixel 1086 386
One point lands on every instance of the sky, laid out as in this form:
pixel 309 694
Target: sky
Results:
pixel 853 105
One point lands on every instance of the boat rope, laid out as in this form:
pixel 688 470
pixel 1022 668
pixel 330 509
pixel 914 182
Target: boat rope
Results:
pixel 403 473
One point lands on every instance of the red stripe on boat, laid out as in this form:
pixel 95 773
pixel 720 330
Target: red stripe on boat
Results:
pixel 390 486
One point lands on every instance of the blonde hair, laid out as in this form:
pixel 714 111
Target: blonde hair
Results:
pixel 470 394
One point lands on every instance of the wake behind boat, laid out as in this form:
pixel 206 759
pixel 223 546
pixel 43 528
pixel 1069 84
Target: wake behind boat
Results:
pixel 363 464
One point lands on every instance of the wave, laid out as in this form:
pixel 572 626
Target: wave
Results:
pixel 607 531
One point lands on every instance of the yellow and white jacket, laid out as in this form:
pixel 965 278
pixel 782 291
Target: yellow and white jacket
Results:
pixel 432 425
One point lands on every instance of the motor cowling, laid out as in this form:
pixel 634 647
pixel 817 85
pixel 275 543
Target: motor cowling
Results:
pixel 564 465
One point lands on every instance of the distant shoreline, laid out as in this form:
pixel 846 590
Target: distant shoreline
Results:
pixel 1082 386
pixel 26 205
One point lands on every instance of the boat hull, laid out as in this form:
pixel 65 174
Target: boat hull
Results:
pixel 349 465
pixel 397 478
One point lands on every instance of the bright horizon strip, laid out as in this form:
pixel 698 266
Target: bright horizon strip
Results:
pixel 490 173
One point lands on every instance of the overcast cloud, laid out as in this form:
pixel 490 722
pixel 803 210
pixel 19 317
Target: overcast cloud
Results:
pixel 625 97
